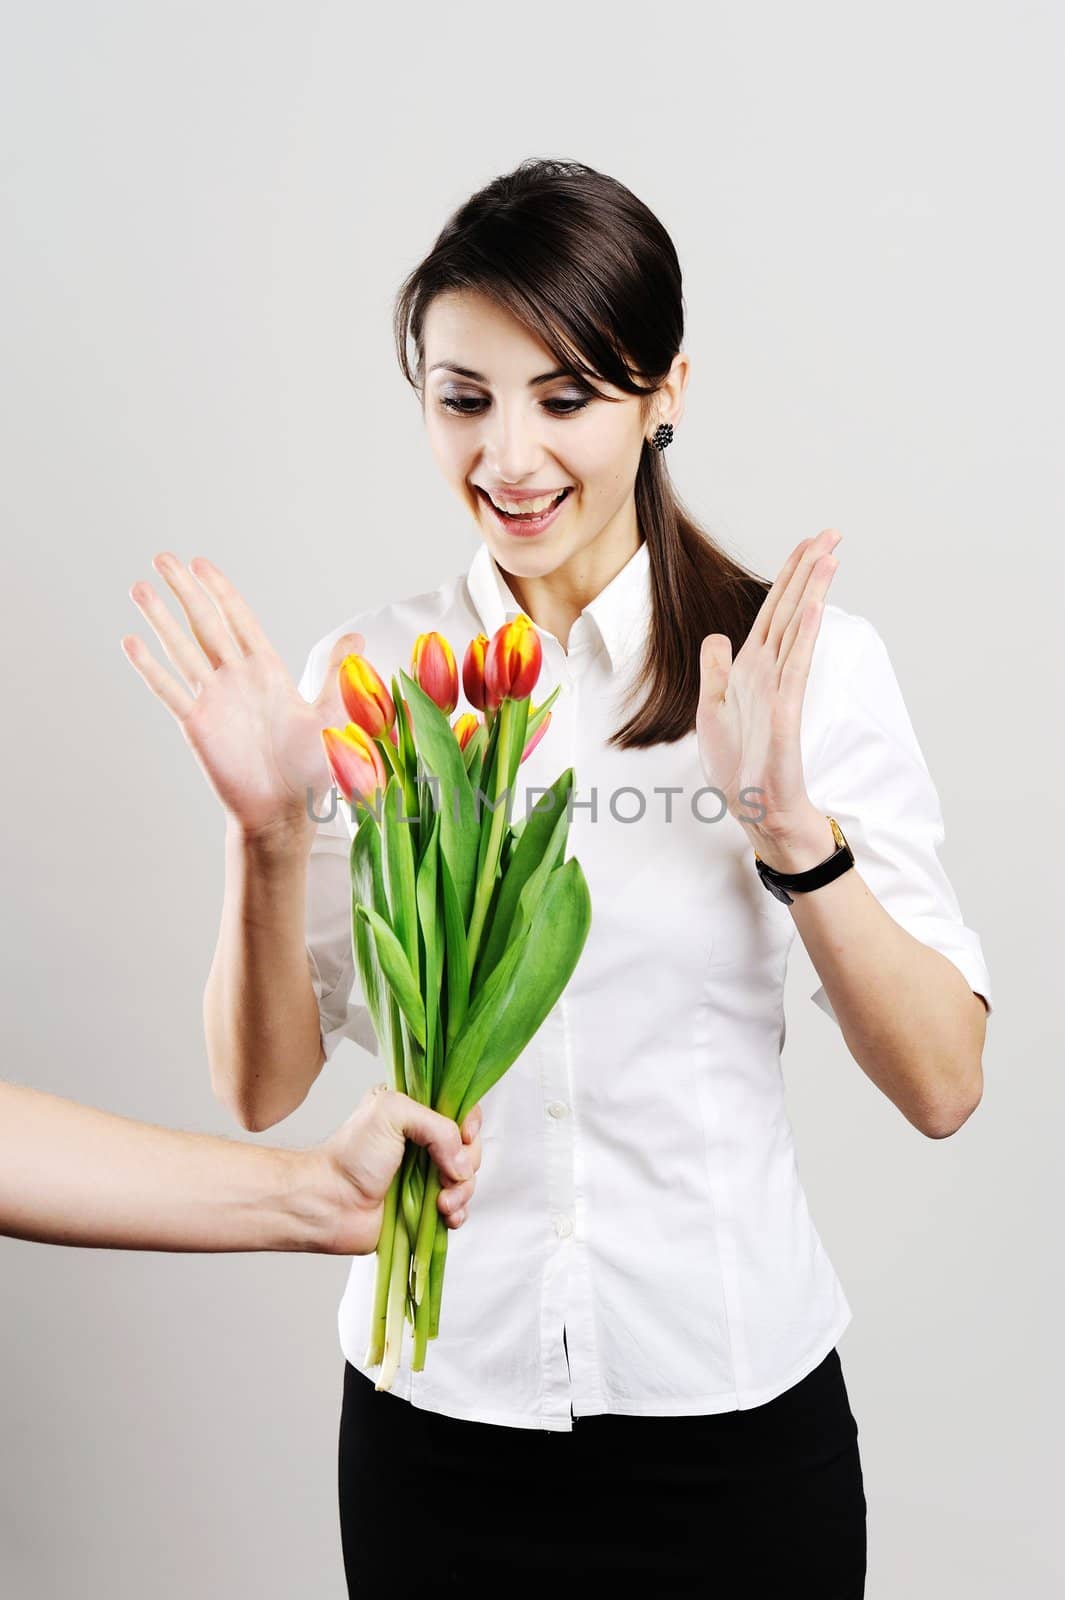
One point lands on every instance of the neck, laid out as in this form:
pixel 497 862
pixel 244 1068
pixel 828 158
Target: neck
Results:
pixel 556 599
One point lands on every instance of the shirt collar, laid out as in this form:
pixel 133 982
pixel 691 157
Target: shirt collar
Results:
pixel 621 610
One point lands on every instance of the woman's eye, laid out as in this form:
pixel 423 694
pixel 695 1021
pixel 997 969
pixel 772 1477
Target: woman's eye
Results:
pixel 467 407
pixel 565 408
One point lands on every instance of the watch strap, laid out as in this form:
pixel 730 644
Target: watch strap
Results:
pixel 779 883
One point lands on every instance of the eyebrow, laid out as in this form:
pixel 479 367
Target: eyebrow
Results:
pixel 478 377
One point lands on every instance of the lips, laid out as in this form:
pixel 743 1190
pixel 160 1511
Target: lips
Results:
pixel 525 525
pixel 502 497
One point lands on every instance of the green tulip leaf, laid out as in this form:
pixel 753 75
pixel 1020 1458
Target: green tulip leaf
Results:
pixel 458 972
pixel 442 758
pixel 540 847
pixel 520 992
pixel 433 944
pixel 405 748
pixel 367 887
pixel 540 713
pixel 398 847
pixel 402 980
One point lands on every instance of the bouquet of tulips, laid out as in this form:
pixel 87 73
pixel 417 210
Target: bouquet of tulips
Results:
pixel 465 927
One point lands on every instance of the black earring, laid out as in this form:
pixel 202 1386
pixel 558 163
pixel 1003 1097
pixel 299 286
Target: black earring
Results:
pixel 663 436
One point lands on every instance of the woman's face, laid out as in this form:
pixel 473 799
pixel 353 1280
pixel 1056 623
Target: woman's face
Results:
pixel 515 428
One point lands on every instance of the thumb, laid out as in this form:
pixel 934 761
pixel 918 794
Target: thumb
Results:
pixel 715 667
pixel 437 1133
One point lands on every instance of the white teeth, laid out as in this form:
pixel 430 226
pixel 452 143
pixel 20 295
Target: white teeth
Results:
pixel 527 507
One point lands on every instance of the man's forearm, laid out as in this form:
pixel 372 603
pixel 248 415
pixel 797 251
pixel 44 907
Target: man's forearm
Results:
pixel 70 1174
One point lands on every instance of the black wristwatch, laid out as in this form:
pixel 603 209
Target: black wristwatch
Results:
pixel 778 883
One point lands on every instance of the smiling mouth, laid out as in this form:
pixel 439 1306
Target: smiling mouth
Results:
pixel 524 516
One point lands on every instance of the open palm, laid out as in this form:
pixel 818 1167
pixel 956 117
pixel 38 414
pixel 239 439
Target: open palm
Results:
pixel 749 711
pixel 255 737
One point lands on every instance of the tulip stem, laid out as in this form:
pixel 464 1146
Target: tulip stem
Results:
pixel 436 1275
pixel 429 1308
pixel 423 1309
pixel 397 1303
pixel 385 1242
pixel 426 1230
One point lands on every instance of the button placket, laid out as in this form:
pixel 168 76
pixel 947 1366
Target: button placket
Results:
pixel 558 1195
pixel 556 1084
pixel 582 1353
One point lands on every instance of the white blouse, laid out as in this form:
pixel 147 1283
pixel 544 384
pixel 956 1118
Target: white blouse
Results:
pixel 639 1190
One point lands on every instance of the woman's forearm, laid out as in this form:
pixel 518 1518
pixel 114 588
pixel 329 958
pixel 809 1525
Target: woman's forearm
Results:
pixel 261 1018
pixel 70 1174
pixel 907 1014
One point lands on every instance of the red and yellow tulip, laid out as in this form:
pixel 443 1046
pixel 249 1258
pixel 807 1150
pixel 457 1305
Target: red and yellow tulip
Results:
pixel 466 726
pixel 355 762
pixel 366 700
pixel 434 671
pixel 473 671
pixel 512 662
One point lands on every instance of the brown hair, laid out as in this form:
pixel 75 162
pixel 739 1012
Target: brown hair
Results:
pixel 590 271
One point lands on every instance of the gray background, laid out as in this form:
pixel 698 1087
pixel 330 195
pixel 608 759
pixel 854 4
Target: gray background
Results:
pixel 206 211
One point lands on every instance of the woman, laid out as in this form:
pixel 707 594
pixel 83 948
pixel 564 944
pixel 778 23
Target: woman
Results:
pixel 641 1273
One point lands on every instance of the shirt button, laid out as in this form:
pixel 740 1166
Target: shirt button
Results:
pixel 558 1108
pixel 564 1227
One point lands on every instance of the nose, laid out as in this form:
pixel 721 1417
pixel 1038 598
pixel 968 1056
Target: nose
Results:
pixel 513 451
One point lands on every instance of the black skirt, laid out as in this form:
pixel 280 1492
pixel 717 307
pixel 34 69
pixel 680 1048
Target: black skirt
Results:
pixel 764 1502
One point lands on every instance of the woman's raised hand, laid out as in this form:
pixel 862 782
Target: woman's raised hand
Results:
pixel 256 738
pixel 750 709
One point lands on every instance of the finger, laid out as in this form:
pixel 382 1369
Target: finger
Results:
pixel 794 590
pixel 715 668
pixel 766 612
pixel 177 700
pixel 241 620
pixel 204 618
pixel 180 649
pixel 800 647
pixel 816 587
pixel 472 1124
pixel 456 1197
pixel 760 627
pixel 437 1133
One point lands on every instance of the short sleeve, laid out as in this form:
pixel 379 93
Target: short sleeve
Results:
pixel 871 775
pixel 341 1004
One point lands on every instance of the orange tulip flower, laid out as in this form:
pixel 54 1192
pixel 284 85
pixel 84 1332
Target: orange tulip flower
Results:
pixel 366 700
pixel 465 727
pixel 433 670
pixel 357 765
pixel 512 662
pixel 473 671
